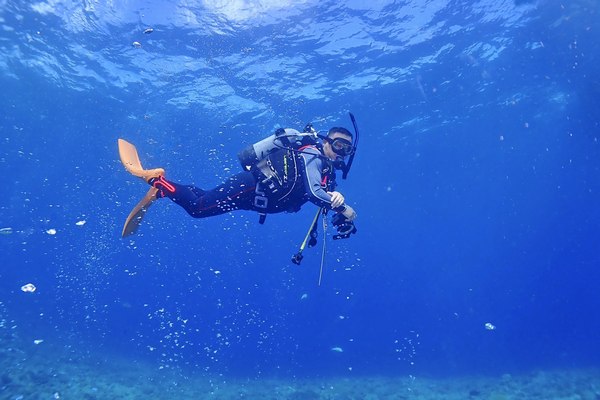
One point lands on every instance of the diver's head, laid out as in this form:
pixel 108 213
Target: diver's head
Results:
pixel 338 144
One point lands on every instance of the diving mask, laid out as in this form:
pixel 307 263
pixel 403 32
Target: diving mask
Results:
pixel 340 146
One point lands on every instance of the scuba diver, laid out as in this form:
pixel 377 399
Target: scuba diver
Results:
pixel 280 173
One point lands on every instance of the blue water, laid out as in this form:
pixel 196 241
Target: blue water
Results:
pixel 477 184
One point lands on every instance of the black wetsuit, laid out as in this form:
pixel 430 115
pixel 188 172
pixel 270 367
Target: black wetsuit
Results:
pixel 295 177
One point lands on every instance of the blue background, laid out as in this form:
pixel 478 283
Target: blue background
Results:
pixel 477 184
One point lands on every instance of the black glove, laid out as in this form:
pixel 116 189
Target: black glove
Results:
pixel 344 227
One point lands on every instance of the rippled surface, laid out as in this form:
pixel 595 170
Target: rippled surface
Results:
pixel 243 56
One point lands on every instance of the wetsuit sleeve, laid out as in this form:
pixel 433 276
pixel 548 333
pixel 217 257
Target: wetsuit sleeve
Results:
pixel 313 167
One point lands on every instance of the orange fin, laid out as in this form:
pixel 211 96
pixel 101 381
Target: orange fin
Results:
pixel 129 156
pixel 139 211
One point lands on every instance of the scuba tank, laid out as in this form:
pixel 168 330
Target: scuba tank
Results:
pixel 286 139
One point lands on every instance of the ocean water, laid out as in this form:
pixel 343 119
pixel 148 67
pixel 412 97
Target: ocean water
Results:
pixel 476 182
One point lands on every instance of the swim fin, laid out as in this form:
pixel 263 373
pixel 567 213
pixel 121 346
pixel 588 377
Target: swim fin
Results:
pixel 139 211
pixel 131 162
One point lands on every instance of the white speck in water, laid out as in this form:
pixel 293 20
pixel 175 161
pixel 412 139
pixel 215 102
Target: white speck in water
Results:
pixel 28 288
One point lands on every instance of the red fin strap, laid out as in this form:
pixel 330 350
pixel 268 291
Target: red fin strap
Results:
pixel 163 182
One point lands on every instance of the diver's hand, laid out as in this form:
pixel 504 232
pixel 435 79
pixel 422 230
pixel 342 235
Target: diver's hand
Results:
pixel 336 199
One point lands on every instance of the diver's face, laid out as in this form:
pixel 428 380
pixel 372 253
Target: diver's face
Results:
pixel 328 149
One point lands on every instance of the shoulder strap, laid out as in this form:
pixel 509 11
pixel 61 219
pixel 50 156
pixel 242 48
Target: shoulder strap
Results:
pixel 306 146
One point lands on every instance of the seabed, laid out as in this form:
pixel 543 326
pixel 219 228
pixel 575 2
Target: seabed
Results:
pixel 35 374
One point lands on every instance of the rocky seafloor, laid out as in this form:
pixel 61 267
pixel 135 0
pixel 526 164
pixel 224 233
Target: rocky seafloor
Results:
pixel 40 373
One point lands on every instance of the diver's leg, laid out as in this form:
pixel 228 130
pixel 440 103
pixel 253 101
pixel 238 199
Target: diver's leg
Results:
pixel 236 193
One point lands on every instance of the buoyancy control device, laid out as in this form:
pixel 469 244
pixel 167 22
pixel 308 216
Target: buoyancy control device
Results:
pixel 287 139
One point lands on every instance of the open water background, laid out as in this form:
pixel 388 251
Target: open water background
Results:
pixel 477 184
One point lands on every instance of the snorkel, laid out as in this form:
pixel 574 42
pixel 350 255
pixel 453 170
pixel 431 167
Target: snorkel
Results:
pixel 346 166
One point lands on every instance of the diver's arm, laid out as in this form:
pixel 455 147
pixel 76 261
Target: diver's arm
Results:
pixel 313 165
pixel 347 212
